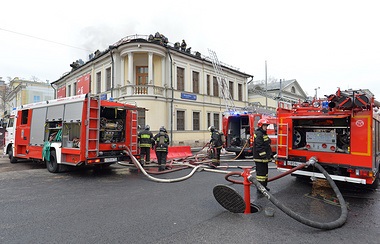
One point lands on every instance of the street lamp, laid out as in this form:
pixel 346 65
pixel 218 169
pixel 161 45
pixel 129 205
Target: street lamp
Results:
pixel 316 92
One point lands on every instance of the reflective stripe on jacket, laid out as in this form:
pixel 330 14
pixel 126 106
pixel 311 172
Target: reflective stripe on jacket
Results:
pixel 144 138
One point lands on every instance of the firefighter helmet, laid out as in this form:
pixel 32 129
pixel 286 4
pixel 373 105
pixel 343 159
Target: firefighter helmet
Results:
pixel 162 129
pixel 263 122
pixel 211 128
pixel 147 127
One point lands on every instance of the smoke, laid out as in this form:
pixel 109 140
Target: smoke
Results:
pixel 100 37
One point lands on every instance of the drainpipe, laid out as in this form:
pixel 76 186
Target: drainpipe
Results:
pixel 113 71
pixel 55 95
pixel 172 99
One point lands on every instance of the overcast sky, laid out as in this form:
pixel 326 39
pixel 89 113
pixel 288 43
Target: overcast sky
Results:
pixel 326 44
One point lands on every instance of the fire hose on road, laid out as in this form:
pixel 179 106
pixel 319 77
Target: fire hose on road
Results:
pixel 248 177
pixel 196 168
pixel 319 225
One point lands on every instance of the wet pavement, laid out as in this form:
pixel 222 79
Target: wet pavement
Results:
pixel 118 206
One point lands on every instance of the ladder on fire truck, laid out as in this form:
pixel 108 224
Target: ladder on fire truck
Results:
pixel 224 89
pixel 282 139
pixel 133 131
pixel 92 129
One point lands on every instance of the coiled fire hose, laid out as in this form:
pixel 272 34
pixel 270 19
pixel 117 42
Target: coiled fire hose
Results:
pixel 325 226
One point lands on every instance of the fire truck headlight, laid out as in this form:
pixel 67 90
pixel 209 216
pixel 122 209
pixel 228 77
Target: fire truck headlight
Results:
pixel 113 146
pixel 100 153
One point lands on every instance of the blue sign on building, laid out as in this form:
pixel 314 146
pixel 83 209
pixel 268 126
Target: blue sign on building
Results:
pixel 103 96
pixel 188 96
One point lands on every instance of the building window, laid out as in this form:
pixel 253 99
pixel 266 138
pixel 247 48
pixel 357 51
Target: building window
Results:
pixel 196 120
pixel 208 86
pixel 36 99
pixel 208 120
pixel 180 120
pixel 75 88
pixel 141 118
pixel 240 92
pixel 216 121
pixel 180 79
pixel 293 90
pixel 69 90
pixel 99 82
pixel 215 87
pixel 231 88
pixel 108 79
pixel 195 82
pixel 142 75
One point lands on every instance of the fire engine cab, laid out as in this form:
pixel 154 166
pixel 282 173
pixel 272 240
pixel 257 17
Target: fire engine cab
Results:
pixel 342 132
pixel 239 129
pixel 74 131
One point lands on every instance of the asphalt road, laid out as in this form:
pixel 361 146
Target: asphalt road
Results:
pixel 118 206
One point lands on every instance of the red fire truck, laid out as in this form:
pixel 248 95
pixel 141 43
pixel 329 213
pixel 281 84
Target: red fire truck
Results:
pixel 342 132
pixel 74 131
pixel 239 129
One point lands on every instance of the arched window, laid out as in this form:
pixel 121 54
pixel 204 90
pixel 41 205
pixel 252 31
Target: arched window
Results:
pixel 293 90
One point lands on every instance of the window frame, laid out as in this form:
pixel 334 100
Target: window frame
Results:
pixel 180 119
pixel 108 79
pixel 196 121
pixel 180 79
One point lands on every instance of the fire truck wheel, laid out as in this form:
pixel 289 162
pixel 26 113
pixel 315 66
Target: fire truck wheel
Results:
pixel 10 155
pixel 52 165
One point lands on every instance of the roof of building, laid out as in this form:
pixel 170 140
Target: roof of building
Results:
pixel 162 41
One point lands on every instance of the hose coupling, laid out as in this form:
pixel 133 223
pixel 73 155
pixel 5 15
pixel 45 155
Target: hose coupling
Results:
pixel 312 161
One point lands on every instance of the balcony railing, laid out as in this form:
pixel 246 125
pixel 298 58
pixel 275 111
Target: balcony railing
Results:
pixel 142 90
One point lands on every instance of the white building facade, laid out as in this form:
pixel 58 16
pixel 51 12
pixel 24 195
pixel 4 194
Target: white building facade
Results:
pixel 179 89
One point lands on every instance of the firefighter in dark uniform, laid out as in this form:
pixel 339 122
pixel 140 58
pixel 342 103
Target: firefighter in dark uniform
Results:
pixel 161 140
pixel 145 140
pixel 216 146
pixel 262 152
pixel 183 46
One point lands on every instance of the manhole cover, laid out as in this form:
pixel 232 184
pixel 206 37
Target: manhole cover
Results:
pixel 229 198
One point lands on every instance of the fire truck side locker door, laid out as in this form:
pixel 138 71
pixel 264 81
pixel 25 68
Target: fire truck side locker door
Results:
pixel 361 131
pixel 22 132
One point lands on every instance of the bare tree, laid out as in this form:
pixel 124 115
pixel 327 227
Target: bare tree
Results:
pixel 4 90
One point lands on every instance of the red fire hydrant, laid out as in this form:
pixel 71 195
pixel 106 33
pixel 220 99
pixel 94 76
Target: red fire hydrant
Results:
pixel 247 189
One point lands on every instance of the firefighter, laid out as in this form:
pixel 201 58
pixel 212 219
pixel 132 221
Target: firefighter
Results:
pixel 145 140
pixel 183 46
pixel 161 140
pixel 262 152
pixel 216 144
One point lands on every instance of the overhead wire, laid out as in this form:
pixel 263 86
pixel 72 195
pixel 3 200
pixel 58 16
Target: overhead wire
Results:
pixel 42 39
